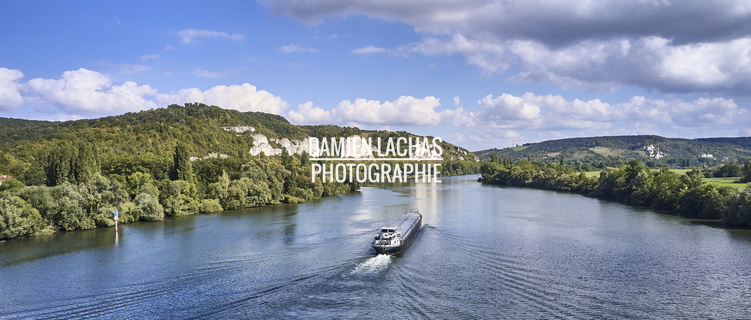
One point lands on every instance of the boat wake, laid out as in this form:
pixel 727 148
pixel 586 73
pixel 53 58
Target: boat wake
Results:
pixel 373 264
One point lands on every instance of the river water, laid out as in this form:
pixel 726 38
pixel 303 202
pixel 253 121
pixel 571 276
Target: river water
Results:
pixel 484 252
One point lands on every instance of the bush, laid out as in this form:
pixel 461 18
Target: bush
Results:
pixel 17 217
pixel 210 206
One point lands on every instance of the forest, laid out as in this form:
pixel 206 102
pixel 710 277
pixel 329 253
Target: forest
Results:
pixel 80 194
pixel 653 151
pixel 156 164
pixel 688 195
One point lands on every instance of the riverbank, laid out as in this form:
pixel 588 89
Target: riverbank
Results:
pixel 688 195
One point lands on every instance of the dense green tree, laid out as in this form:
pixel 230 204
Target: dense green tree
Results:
pixel 728 170
pixel 68 212
pixel 17 217
pixel 738 210
pixel 147 206
pixel 41 199
pixel 668 189
pixel 182 168
pixel 120 165
pixel 695 201
pixel 9 165
pixel 86 163
pixel 210 206
pixel 59 165
pixel 179 197
pixel 101 196
pixel 746 177
pixel 11 185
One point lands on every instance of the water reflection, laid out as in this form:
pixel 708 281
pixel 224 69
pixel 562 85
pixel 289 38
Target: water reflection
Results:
pixel 485 252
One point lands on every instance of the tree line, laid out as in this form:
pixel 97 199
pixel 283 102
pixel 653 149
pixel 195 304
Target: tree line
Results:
pixel 673 152
pixel 82 189
pixel 71 175
pixel 635 184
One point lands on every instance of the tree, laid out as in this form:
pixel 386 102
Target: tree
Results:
pixel 738 210
pixel 86 163
pixel 11 185
pixel 147 204
pixel 182 168
pixel 210 206
pixel 179 198
pixel 58 165
pixel 68 210
pixel 746 172
pixel 17 217
pixel 694 202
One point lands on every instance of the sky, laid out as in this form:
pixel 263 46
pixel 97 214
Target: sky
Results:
pixel 477 73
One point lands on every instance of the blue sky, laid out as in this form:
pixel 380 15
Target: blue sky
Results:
pixel 480 74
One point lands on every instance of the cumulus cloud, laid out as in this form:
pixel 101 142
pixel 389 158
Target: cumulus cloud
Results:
pixel 89 92
pixel 10 97
pixel 308 114
pixel 243 97
pixel 650 62
pixel 405 110
pixel 555 23
pixel 553 112
pixel 85 93
pixel 490 56
pixel 190 35
pixel 671 46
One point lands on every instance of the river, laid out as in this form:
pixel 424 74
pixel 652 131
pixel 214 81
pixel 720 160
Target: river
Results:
pixel 484 252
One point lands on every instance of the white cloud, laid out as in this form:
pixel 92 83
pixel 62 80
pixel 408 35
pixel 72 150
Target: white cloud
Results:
pixel 509 114
pixel 295 48
pixel 308 114
pixel 190 35
pixel 648 62
pixel 243 97
pixel 89 92
pixel 405 110
pixel 700 112
pixel 490 56
pixel 85 93
pixel 506 109
pixel 368 50
pixel 553 112
pixel 458 117
pixel 671 46
pixel 10 97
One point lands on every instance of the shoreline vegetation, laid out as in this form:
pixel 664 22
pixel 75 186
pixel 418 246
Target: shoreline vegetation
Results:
pixel 688 194
pixel 160 163
pixel 190 187
pixel 80 197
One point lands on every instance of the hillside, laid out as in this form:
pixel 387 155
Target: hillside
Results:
pixel 151 136
pixel 652 150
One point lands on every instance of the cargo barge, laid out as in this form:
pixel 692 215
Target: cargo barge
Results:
pixel 394 238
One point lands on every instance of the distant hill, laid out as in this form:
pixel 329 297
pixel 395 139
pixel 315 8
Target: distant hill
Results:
pixel 650 149
pixel 207 130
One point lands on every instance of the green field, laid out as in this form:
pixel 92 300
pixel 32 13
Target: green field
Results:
pixel 728 182
pixel 720 182
pixel 592 174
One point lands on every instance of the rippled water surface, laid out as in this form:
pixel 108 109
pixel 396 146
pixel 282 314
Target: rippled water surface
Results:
pixel 484 252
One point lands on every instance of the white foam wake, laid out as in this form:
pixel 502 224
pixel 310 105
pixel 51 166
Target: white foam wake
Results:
pixel 373 264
